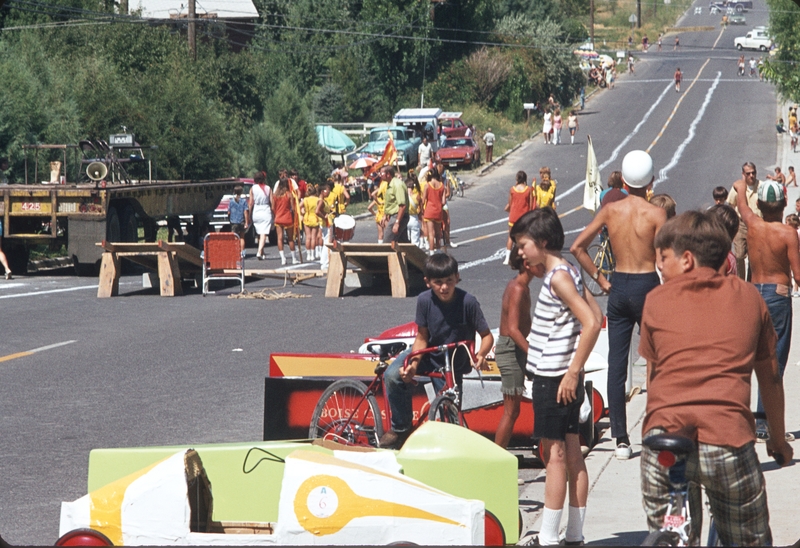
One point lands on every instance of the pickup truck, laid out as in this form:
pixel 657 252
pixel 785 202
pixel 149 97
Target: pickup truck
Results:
pixel 755 39
pixel 723 6
pixel 405 141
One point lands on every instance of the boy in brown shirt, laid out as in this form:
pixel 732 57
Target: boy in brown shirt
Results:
pixel 699 367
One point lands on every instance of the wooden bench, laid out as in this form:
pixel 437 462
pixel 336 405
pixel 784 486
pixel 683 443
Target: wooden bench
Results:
pixel 405 265
pixel 170 260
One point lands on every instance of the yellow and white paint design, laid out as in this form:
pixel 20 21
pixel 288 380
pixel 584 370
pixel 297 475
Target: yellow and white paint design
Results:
pixel 326 500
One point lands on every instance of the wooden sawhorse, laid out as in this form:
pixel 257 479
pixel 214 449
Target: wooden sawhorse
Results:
pixel 405 265
pixel 169 260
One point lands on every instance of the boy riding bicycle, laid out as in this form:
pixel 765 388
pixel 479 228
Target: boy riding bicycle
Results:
pixel 703 334
pixel 445 314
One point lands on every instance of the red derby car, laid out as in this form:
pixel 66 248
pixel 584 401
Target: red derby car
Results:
pixel 461 151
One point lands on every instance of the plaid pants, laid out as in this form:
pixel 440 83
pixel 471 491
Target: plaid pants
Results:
pixel 734 485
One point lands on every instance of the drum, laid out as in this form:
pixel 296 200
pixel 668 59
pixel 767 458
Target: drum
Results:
pixel 344 227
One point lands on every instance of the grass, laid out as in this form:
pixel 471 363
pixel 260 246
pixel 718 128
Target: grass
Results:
pixel 508 134
pixel 611 28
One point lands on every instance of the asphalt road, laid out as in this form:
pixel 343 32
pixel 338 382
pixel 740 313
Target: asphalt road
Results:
pixel 144 370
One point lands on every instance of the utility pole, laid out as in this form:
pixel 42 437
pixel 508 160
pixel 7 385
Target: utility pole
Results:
pixel 591 21
pixel 123 7
pixel 192 36
pixel 638 13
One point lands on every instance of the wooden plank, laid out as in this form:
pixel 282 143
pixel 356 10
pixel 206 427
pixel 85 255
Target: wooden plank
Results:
pixel 130 247
pixel 109 276
pixel 398 275
pixel 184 251
pixel 169 275
pixel 336 271
pixel 414 255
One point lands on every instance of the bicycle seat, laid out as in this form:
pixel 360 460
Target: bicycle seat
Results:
pixel 680 443
pixel 386 350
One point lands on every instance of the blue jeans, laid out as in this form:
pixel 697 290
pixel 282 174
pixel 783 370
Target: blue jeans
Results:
pixel 625 303
pixel 780 310
pixel 400 393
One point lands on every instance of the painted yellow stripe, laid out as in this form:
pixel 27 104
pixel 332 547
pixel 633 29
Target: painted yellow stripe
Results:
pixel 674 110
pixel 15 356
pixel 718 37
pixel 573 210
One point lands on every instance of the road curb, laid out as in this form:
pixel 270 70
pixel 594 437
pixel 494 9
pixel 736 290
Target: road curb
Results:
pixel 49 264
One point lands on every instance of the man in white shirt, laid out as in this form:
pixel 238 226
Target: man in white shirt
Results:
pixel 488 139
pixel 424 152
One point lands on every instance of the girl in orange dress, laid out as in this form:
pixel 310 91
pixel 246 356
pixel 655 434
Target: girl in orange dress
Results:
pixel 283 206
pixel 521 199
pixel 433 200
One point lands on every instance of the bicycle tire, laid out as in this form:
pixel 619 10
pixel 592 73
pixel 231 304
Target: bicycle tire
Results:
pixel 596 252
pixel 332 418
pixel 444 409
pixel 461 191
pixel 662 538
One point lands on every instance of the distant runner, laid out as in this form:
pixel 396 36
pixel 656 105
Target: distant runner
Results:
pixel 678 77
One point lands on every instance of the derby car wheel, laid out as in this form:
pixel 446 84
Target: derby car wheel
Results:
pixel 494 534
pixel 345 414
pixel 84 537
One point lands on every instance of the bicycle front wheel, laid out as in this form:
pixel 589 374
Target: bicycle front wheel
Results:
pixel 444 409
pixel 347 414
pixel 662 538
pixel 597 253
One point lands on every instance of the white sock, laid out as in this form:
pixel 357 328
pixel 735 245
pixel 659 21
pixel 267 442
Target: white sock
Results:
pixel 294 257
pixel 575 524
pixel 380 241
pixel 551 521
pixel 317 252
pixel 283 256
pixel 572 139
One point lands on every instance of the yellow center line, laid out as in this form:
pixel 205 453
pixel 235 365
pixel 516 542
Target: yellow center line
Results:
pixel 15 356
pixel 573 210
pixel 674 110
pixel 718 37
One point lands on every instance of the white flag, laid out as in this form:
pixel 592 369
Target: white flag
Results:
pixel 591 193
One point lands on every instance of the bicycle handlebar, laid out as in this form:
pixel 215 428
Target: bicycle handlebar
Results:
pixel 441 348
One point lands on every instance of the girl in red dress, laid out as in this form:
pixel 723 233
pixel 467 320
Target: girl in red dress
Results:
pixel 283 206
pixel 521 199
pixel 433 200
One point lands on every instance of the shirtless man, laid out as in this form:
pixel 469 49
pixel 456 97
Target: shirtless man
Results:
pixel 779 176
pixel 774 256
pixel 632 224
pixel 749 176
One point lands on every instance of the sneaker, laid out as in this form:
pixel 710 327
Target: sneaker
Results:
pixel 283 261
pixel 623 451
pixel 761 435
pixel 260 257
pixel 295 261
pixel 789 437
pixel 8 275
pixel 796 294
pixel 244 254
pixel 534 541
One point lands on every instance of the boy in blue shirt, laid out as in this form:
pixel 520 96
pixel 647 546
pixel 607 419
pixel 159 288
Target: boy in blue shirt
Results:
pixel 239 215
pixel 445 314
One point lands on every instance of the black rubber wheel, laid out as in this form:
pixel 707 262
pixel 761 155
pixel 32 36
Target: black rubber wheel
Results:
pixel 662 538
pixel 150 229
pixel 444 409
pixel 763 48
pixel 337 418
pixel 588 282
pixel 113 226
pixel 85 269
pixel 129 226
pixel 739 47
pixel 739 8
pixel 17 255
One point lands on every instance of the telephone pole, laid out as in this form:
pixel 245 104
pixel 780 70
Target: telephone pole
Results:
pixel 192 36
pixel 123 7
pixel 638 13
pixel 591 21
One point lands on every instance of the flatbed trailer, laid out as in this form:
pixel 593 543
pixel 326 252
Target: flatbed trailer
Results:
pixel 79 215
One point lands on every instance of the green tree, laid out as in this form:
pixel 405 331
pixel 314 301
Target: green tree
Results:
pixel 783 68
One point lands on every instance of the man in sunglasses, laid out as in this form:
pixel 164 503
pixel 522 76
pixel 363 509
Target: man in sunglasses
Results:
pixel 740 241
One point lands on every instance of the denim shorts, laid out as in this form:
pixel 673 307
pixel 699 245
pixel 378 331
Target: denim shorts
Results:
pixel 552 420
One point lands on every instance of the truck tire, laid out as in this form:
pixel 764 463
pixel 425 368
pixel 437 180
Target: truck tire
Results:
pixel 763 48
pixel 739 47
pixel 17 255
pixel 739 8
pixel 85 269
pixel 129 226
pixel 113 227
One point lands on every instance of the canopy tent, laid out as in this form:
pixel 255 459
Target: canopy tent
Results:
pixel 334 141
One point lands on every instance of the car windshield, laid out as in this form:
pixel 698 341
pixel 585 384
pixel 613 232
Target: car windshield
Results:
pixel 458 142
pixel 383 135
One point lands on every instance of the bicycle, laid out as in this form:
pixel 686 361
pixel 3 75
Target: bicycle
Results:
pixel 673 451
pixel 603 259
pixel 348 411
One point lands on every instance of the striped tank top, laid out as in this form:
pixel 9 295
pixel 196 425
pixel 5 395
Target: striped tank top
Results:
pixel 555 330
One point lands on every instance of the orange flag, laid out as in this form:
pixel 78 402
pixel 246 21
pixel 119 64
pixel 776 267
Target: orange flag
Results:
pixel 389 155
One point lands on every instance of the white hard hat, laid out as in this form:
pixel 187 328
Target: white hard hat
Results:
pixel 637 169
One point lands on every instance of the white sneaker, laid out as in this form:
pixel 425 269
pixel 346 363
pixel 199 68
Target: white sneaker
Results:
pixel 505 261
pixel 623 451
pixel 295 261
pixel 283 261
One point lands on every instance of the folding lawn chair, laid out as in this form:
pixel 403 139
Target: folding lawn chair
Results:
pixel 222 252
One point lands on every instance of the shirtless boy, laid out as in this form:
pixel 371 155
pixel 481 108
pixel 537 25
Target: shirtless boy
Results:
pixel 632 224
pixel 774 256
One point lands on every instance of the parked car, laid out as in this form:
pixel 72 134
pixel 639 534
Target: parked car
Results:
pixel 462 151
pixel 737 19
pixel 758 38
pixel 452 125
pixel 737 6
pixel 405 141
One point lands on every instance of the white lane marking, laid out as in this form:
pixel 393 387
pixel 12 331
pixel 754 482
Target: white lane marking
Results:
pixel 11 285
pixel 742 80
pixel 499 254
pixel 473 227
pixel 575 231
pixel 662 175
pixel 33 293
pixel 624 141
pixel 50 346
